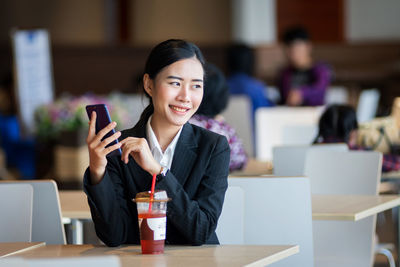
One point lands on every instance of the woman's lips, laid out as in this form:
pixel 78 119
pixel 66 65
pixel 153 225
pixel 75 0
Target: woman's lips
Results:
pixel 181 110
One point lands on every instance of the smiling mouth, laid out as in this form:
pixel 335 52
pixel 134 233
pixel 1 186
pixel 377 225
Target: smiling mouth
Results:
pixel 179 109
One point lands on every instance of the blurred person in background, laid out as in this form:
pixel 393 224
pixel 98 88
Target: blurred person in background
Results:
pixel 338 124
pixel 241 80
pixel 208 116
pixel 19 151
pixel 303 82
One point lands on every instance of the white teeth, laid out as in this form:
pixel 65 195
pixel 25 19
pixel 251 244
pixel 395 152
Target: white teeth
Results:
pixel 178 109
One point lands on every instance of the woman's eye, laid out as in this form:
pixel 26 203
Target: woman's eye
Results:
pixel 175 83
pixel 197 86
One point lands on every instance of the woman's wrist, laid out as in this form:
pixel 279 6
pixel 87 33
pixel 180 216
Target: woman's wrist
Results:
pixel 96 176
pixel 155 170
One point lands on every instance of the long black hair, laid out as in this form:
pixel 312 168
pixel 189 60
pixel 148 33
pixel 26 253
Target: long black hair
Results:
pixel 163 55
pixel 337 122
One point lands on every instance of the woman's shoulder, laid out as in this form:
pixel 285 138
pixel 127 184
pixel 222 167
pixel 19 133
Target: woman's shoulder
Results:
pixel 207 137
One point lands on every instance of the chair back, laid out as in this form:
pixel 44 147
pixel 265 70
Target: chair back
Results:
pixel 46 218
pixel 230 228
pixel 336 95
pixel 275 126
pixel 344 243
pixel 343 173
pixel 16 212
pixel 367 105
pixel 276 211
pixel 136 103
pixel 289 160
pixel 238 115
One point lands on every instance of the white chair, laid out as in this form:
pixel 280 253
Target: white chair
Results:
pixel 238 115
pixel 336 95
pixel 277 211
pixel 230 228
pixel 13 262
pixel 367 105
pixel 278 125
pixel 46 219
pixel 341 243
pixel 299 134
pixel 289 160
pixel 135 103
pixel 16 212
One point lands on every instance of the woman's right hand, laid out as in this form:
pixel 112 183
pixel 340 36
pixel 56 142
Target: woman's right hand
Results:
pixel 98 150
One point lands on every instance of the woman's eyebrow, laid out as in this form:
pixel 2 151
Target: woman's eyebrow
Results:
pixel 181 79
pixel 175 77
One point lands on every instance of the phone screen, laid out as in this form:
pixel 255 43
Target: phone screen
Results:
pixel 102 120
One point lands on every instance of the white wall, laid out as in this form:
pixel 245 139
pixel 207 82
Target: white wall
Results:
pixel 369 20
pixel 254 21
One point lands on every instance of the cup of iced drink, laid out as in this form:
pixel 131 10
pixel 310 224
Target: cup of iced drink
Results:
pixel 152 216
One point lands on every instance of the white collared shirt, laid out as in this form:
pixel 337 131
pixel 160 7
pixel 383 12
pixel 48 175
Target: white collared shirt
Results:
pixel 165 159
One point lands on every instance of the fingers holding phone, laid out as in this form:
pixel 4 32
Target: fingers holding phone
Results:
pixel 102 140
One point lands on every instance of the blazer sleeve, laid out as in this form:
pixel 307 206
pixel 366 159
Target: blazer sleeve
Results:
pixel 197 218
pixel 109 207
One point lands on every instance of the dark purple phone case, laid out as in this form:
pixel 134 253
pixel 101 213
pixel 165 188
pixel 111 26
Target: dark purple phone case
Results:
pixel 102 120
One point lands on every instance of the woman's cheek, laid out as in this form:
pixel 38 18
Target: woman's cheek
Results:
pixel 198 98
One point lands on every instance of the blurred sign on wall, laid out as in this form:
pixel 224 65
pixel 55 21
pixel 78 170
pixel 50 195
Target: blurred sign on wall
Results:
pixel 32 73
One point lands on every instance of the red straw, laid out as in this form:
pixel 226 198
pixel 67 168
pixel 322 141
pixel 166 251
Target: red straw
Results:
pixel 153 184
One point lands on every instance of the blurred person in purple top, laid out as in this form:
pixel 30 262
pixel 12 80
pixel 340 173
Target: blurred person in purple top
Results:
pixel 208 116
pixel 241 80
pixel 303 82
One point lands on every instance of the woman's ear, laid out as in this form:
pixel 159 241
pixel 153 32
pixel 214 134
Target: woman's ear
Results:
pixel 148 84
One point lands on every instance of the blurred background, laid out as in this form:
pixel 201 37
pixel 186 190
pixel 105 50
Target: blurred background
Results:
pixel 99 47
pixel 98 50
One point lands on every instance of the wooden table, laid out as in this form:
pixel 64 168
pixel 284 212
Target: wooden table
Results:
pixel 74 204
pixel 8 249
pixel 391 175
pixel 351 207
pixel 254 167
pixel 227 255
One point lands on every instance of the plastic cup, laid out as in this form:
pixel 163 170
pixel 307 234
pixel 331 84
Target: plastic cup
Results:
pixel 152 220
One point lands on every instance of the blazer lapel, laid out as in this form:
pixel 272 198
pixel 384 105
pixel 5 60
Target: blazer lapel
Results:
pixel 185 154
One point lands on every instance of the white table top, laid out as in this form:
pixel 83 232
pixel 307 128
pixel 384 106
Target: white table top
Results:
pixel 351 207
pixel 226 255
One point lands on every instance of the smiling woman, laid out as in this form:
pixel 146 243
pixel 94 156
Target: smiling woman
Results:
pixel 191 163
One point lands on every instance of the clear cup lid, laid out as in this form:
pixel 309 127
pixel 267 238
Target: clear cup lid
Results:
pixel 159 196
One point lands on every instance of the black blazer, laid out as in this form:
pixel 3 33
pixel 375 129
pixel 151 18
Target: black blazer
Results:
pixel 196 183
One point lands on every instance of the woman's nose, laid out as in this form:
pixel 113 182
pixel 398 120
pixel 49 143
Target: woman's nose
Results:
pixel 184 94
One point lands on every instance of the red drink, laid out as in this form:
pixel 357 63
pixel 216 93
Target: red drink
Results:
pixel 152 211
pixel 152 228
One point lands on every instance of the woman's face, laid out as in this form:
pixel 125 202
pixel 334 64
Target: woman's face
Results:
pixel 176 91
pixel 299 53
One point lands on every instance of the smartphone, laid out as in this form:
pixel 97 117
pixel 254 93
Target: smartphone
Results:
pixel 102 120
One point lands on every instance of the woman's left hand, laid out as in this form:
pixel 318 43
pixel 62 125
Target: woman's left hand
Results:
pixel 139 149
